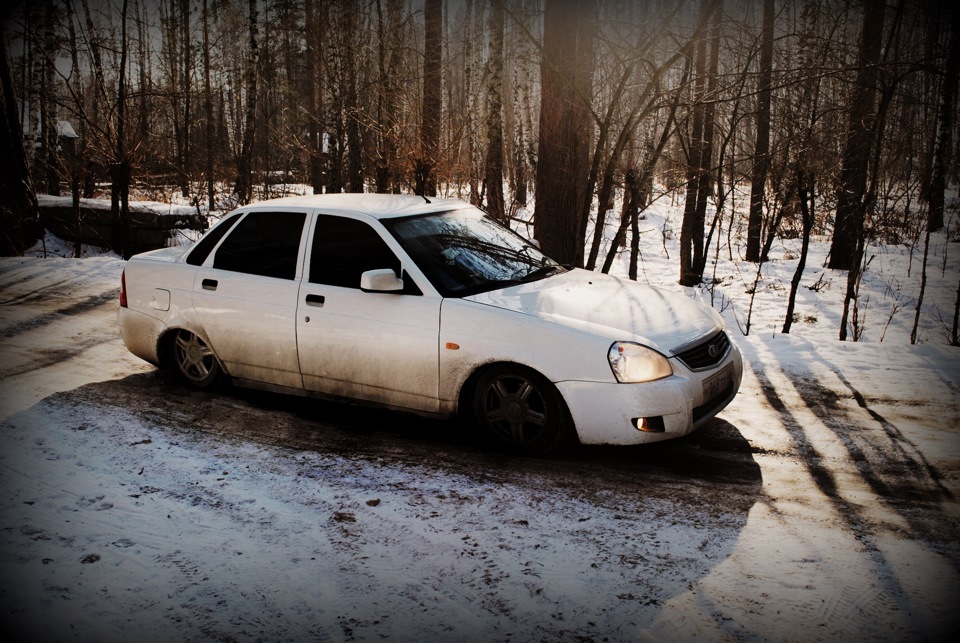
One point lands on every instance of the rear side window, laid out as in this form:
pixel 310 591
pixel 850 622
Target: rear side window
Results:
pixel 263 243
pixel 343 249
pixel 200 251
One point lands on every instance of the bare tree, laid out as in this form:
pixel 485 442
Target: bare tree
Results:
pixel 806 97
pixel 312 90
pixel 388 126
pixel 78 153
pixel 945 124
pixel 353 109
pixel 121 169
pixel 243 184
pixel 562 166
pixel 852 197
pixel 698 165
pixel 431 112
pixel 19 213
pixel 208 108
pixel 48 105
pixel 761 151
pixel 493 174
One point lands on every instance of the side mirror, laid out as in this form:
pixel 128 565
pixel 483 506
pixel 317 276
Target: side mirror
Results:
pixel 383 280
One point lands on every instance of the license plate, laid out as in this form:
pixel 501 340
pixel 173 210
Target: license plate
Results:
pixel 716 383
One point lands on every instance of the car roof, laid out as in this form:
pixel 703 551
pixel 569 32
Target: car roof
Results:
pixel 380 206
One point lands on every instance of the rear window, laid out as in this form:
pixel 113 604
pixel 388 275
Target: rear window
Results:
pixel 263 243
pixel 200 251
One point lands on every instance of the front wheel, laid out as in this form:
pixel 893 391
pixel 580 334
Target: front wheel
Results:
pixel 520 410
pixel 194 360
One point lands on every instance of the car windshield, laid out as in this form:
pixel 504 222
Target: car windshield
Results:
pixel 464 252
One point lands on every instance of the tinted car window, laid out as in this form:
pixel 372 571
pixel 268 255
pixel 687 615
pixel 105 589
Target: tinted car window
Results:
pixel 343 249
pixel 263 243
pixel 200 251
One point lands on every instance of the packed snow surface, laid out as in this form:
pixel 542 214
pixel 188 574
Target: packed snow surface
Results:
pixel 820 505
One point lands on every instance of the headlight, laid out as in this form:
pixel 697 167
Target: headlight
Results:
pixel 635 363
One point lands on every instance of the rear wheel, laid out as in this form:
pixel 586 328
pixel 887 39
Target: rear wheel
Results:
pixel 194 360
pixel 520 410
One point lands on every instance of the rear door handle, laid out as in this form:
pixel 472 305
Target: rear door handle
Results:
pixel 315 300
pixel 209 284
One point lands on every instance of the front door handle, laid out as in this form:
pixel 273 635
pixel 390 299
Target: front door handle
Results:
pixel 209 284
pixel 315 300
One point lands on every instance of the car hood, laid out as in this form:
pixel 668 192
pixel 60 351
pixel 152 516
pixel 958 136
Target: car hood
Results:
pixel 618 309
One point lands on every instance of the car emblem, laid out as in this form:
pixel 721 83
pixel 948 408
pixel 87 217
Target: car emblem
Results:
pixel 713 351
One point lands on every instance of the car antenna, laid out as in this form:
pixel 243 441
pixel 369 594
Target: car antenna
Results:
pixel 419 191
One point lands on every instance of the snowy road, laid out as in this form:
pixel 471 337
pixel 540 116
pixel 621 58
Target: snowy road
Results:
pixel 821 505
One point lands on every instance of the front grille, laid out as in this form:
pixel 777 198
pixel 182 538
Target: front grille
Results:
pixel 707 353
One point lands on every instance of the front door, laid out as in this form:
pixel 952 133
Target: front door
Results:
pixel 379 347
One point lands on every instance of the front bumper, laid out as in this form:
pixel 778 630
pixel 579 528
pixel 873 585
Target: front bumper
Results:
pixel 605 413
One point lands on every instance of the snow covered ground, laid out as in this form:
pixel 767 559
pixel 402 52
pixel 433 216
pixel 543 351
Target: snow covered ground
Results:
pixel 821 505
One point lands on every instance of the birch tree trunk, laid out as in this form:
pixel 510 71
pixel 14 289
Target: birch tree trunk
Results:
pixel 243 184
pixel 493 174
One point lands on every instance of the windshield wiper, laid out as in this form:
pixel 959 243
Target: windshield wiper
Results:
pixel 540 273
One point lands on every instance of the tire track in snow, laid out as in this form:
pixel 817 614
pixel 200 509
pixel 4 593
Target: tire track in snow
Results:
pixel 30 280
pixel 46 358
pixel 81 307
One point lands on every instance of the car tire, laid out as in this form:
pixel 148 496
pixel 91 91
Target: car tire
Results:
pixel 520 411
pixel 193 360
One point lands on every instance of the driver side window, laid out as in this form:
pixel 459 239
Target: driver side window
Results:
pixel 343 249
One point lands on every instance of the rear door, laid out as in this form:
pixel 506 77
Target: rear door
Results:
pixel 379 347
pixel 246 296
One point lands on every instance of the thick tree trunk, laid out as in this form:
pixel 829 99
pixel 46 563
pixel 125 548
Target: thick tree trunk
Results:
pixel 19 215
pixel 121 171
pixel 389 46
pixel 185 169
pixel 707 176
pixel 48 120
pixel 432 98
pixel 761 153
pixel 208 107
pixel 945 125
pixel 354 169
pixel 691 234
pixel 243 185
pixel 78 149
pixel 564 129
pixel 852 192
pixel 493 173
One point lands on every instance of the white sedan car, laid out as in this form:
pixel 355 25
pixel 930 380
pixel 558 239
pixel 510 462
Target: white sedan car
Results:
pixel 428 306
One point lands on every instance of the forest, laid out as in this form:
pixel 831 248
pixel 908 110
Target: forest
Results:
pixel 765 119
